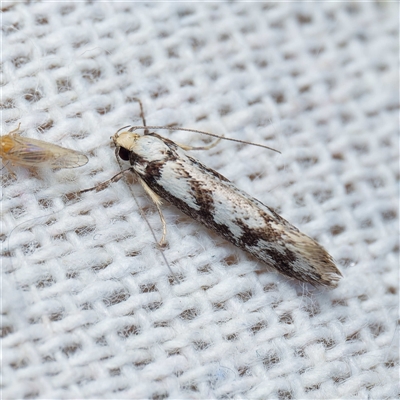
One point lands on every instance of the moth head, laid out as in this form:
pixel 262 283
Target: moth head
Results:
pixel 148 147
pixel 125 140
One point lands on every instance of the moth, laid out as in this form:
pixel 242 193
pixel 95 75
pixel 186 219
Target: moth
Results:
pixel 27 152
pixel 167 172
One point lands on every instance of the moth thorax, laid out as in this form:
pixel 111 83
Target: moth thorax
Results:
pixel 7 143
pixel 151 148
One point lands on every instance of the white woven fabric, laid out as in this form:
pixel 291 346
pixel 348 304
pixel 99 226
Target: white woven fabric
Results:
pixel 89 307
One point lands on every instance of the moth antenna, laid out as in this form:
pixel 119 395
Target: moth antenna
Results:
pixel 176 128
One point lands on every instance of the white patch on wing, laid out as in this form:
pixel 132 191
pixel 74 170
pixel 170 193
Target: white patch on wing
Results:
pixel 224 214
pixel 177 185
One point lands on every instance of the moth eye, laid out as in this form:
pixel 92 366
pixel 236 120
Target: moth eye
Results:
pixel 124 154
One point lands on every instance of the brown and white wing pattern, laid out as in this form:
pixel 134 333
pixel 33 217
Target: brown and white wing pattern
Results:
pixel 211 199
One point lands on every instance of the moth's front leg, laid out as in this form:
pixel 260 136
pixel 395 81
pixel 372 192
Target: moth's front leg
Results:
pixel 157 201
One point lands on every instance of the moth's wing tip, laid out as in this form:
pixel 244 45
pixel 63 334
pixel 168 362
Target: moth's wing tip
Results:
pixel 81 160
pixel 70 160
pixel 332 278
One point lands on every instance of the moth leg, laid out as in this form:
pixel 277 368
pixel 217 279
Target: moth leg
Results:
pixel 16 130
pixel 146 131
pixel 103 185
pixel 208 147
pixel 157 201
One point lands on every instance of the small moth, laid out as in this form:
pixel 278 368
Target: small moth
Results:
pixel 27 152
pixel 166 171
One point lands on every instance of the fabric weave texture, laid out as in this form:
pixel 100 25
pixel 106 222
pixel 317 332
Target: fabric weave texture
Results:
pixel 91 308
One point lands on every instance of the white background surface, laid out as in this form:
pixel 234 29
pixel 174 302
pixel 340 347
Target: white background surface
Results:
pixel 90 309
